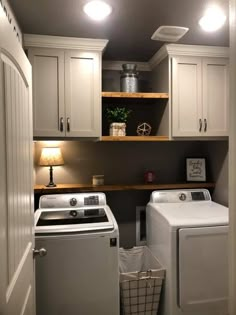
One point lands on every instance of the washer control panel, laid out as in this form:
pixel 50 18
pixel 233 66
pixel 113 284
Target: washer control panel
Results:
pixel 68 201
pixel 182 196
pixel 91 201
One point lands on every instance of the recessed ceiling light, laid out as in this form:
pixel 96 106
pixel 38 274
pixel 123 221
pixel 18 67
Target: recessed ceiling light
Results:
pixel 213 19
pixel 97 10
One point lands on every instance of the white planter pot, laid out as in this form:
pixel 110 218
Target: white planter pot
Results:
pixel 118 129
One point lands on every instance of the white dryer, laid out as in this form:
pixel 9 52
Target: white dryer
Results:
pixel 188 233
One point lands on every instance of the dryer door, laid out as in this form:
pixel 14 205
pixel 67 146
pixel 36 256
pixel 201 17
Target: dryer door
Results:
pixel 203 268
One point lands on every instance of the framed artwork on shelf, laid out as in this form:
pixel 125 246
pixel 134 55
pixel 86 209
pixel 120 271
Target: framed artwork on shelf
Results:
pixel 195 169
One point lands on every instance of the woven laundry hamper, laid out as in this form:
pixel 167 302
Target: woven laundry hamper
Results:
pixel 141 278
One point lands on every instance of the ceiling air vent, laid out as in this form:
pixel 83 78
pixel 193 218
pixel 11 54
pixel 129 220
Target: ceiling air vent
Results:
pixel 169 33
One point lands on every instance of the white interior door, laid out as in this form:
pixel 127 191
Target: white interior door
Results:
pixel 16 171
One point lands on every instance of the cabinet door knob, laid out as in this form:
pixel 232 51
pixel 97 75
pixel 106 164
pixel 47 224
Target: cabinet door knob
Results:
pixel 68 124
pixel 61 124
pixel 205 125
pixel 200 125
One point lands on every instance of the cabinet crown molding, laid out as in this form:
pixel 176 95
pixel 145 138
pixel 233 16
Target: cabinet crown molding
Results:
pixel 187 50
pixel 47 41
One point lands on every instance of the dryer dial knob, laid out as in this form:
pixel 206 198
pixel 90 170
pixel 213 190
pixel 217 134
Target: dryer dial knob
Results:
pixel 182 197
pixel 73 202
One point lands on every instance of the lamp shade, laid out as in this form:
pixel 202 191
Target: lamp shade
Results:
pixel 51 157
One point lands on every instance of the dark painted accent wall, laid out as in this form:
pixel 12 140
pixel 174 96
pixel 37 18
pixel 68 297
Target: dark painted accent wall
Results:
pixel 126 163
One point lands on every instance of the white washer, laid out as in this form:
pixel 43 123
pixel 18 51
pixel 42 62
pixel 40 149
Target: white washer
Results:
pixel 79 274
pixel 188 233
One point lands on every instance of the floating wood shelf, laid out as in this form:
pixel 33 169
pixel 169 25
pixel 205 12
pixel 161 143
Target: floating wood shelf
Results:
pixel 135 138
pixel 72 188
pixel 135 95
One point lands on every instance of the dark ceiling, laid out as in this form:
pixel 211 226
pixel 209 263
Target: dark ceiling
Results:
pixel 128 29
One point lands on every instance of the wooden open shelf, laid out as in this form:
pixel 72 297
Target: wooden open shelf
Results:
pixel 73 188
pixel 135 138
pixel 135 95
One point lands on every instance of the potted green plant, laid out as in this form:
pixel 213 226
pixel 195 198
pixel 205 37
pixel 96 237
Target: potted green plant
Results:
pixel 117 117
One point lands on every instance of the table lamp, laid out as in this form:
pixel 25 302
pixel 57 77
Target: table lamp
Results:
pixel 51 157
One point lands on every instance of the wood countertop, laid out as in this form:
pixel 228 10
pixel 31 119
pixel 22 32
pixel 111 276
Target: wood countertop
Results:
pixel 72 188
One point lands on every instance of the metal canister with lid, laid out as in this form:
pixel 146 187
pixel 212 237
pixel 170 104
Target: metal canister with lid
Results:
pixel 129 78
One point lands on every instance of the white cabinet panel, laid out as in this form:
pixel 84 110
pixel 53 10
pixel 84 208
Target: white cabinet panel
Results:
pixel 48 91
pixel 186 97
pixel 199 96
pixel 215 96
pixel 203 269
pixel 82 92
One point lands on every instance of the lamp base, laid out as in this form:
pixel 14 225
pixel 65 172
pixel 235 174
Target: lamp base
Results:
pixel 51 185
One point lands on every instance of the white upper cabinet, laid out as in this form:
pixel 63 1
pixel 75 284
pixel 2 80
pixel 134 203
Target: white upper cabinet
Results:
pixel 198 87
pixel 199 96
pixel 66 86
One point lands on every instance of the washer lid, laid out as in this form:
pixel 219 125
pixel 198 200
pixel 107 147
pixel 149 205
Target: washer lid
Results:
pixel 80 220
pixel 192 214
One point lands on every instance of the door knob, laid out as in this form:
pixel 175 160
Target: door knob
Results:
pixel 39 252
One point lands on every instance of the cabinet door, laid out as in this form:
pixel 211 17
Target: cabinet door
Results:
pixel 215 96
pixel 83 94
pixel 186 96
pixel 48 92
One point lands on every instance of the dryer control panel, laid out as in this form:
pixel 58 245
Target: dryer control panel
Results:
pixel 175 196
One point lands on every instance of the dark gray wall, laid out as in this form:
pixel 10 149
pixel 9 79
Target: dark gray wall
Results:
pixel 126 163
pixel 217 155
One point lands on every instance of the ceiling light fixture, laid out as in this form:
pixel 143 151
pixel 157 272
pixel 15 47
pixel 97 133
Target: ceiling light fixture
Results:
pixel 167 33
pixel 97 10
pixel 213 19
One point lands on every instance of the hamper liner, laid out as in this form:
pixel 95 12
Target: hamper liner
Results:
pixel 141 277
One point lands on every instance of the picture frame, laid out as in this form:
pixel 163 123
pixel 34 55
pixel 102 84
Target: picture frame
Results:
pixel 196 169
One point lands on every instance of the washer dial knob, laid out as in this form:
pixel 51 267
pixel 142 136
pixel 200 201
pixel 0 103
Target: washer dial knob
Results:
pixel 73 202
pixel 182 197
